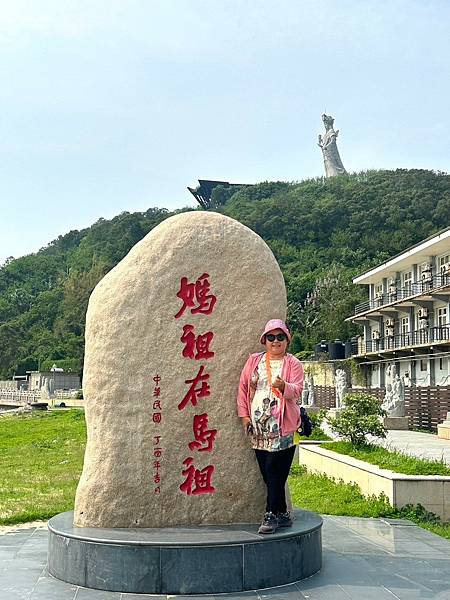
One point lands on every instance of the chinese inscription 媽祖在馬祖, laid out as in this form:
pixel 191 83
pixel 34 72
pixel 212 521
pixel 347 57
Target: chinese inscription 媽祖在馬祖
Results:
pixel 198 298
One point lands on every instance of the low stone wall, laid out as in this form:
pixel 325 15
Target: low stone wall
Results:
pixel 432 491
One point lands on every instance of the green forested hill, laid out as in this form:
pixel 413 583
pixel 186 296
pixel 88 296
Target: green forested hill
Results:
pixel 322 231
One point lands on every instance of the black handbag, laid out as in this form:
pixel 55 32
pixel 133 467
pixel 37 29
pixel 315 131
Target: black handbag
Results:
pixel 306 426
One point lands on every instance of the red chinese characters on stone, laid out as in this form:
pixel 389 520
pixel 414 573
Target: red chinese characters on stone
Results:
pixel 197 481
pixel 196 296
pixel 196 346
pixel 196 392
pixel 204 437
pixel 157 417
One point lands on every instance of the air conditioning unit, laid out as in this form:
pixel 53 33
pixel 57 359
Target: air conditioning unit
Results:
pixel 378 295
pixel 423 313
pixel 389 323
pixel 375 335
pixel 426 272
pixel 445 268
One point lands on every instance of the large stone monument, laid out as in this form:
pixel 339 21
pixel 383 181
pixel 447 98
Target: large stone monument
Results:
pixel 168 472
pixel 331 159
pixel 167 333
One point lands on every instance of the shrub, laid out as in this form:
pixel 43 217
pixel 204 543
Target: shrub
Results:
pixel 360 417
pixel 317 417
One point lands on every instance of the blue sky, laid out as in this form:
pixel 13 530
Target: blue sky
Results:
pixel 109 105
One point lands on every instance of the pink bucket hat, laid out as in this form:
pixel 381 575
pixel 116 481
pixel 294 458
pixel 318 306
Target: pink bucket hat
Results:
pixel 275 324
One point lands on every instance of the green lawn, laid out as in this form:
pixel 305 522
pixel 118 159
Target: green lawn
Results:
pixel 391 459
pixel 41 457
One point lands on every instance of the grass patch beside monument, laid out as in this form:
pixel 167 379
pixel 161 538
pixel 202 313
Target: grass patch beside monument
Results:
pixel 391 459
pixel 41 457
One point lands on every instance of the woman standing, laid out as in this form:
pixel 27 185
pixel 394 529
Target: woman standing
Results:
pixel 271 384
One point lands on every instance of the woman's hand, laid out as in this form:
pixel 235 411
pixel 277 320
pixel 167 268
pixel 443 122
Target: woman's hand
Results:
pixel 247 424
pixel 279 384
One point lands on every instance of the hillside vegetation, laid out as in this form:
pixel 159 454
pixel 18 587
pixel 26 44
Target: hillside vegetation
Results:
pixel 322 231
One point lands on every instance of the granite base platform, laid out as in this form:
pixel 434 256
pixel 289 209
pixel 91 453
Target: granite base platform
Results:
pixel 200 559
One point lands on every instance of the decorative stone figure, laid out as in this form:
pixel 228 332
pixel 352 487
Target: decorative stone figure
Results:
pixel 308 391
pixel 45 389
pixel 394 399
pixel 168 331
pixel 331 158
pixel 340 379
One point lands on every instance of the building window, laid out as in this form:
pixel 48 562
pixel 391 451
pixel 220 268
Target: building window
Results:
pixel 443 260
pixel 405 325
pixel 423 365
pixel 442 316
pixel 407 281
pixel 378 294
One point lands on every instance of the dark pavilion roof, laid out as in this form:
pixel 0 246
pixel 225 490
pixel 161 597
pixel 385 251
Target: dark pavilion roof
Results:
pixel 203 192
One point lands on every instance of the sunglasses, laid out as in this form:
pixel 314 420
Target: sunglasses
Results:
pixel 281 337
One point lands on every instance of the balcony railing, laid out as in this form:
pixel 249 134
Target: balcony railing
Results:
pixel 414 289
pixel 405 340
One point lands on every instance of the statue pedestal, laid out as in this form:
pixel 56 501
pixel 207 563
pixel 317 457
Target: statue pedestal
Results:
pixel 444 428
pixel 396 423
pixel 196 559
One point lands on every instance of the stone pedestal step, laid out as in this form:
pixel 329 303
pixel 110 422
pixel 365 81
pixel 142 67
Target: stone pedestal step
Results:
pixel 396 423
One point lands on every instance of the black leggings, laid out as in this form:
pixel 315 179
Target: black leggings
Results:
pixel 274 467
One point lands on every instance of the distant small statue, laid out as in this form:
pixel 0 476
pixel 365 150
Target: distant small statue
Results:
pixel 394 399
pixel 331 158
pixel 45 389
pixel 340 382
pixel 308 391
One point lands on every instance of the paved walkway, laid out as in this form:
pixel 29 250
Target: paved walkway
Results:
pixel 364 559
pixel 422 445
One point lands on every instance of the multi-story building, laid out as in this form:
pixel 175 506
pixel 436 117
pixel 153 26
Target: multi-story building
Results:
pixel 406 320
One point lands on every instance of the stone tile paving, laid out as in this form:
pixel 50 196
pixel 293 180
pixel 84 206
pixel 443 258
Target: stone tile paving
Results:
pixel 363 559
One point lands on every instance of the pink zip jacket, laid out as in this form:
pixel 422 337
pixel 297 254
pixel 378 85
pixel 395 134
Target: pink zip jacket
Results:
pixel 292 374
